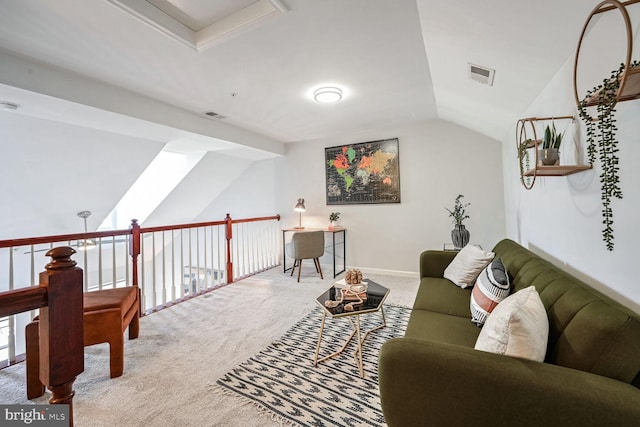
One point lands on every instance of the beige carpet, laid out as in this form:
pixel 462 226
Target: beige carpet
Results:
pixel 171 369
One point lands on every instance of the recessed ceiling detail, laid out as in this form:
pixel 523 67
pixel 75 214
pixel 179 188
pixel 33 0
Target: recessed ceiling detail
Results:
pixel 184 22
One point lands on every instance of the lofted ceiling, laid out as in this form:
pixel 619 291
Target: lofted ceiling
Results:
pixel 397 61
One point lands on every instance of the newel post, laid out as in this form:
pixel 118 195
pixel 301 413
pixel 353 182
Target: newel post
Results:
pixel 61 326
pixel 229 234
pixel 134 250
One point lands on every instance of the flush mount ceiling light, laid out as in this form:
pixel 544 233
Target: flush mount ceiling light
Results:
pixel 327 94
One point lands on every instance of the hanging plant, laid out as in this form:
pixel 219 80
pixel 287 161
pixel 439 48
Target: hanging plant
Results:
pixel 604 128
pixel 525 160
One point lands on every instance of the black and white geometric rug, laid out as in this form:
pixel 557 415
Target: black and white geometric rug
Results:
pixel 283 381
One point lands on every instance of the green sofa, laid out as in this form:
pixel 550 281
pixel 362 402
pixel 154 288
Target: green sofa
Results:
pixel 433 376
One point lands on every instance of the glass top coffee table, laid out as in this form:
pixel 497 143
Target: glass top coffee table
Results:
pixel 351 304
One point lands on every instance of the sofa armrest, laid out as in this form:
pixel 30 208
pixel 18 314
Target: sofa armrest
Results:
pixel 431 383
pixel 433 263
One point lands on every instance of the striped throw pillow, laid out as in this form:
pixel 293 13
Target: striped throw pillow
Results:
pixel 492 286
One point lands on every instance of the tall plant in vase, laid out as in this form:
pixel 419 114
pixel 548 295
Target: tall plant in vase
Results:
pixel 459 234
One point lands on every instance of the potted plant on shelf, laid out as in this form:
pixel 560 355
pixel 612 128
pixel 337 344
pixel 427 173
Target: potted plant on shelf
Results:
pixel 333 218
pixel 549 154
pixel 459 235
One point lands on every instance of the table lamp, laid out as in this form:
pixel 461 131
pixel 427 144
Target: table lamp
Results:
pixel 299 208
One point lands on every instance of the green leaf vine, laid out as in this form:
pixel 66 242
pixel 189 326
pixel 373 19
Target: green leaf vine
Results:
pixel 523 155
pixel 604 128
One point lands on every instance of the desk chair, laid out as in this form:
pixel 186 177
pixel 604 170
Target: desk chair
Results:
pixel 306 245
pixel 107 314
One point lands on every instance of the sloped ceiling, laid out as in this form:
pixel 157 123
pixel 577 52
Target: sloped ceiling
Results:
pixel 526 42
pixel 398 61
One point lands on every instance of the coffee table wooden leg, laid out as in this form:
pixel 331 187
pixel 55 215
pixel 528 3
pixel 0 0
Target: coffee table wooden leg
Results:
pixel 315 359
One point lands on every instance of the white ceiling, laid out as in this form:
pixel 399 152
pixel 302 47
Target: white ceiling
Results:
pixel 397 60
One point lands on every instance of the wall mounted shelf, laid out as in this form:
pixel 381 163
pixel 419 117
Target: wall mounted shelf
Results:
pixel 629 88
pixel 524 142
pixel 557 170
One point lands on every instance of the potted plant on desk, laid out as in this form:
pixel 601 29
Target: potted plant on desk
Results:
pixel 333 219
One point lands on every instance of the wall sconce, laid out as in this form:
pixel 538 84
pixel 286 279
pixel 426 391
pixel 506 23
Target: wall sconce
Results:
pixel 300 208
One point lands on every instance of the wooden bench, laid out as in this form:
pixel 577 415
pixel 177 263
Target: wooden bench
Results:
pixel 106 315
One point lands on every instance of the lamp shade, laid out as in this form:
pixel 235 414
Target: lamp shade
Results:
pixel 300 206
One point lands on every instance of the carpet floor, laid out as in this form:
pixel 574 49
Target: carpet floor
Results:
pixel 171 369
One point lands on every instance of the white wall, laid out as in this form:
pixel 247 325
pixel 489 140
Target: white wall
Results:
pixel 438 161
pixel 251 194
pixel 197 194
pixel 560 218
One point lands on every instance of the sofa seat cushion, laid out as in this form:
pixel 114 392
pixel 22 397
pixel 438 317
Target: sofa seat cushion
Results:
pixel 428 325
pixel 120 298
pixel 442 296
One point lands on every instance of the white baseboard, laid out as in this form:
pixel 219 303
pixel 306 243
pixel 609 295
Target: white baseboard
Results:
pixel 413 274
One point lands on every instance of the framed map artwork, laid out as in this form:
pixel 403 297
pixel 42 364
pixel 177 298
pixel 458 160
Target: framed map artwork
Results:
pixel 366 172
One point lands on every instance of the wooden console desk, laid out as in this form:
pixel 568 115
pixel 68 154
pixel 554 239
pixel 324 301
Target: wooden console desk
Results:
pixel 334 242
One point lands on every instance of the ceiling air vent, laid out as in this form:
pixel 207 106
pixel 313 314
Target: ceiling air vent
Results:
pixel 481 74
pixel 214 115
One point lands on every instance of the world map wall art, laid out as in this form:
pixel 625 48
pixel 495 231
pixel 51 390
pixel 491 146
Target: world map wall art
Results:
pixel 363 173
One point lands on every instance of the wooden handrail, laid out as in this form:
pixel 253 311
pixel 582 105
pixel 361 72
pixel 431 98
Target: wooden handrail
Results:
pixel 206 224
pixel 179 226
pixel 261 218
pixel 61 238
pixel 102 234
pixel 21 300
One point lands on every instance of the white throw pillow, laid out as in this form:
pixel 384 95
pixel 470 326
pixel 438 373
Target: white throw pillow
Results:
pixel 518 327
pixel 467 265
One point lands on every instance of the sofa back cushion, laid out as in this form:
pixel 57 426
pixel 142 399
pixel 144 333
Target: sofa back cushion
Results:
pixel 587 331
